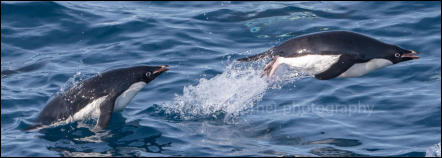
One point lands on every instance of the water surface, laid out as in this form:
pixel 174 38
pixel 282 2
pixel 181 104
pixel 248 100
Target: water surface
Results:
pixel 208 104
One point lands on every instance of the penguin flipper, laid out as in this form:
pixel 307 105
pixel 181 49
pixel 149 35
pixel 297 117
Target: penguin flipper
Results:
pixel 342 65
pixel 106 109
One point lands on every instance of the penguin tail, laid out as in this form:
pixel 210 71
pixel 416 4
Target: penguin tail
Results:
pixel 257 56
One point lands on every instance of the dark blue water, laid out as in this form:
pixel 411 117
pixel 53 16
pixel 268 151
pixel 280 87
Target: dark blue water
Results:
pixel 207 104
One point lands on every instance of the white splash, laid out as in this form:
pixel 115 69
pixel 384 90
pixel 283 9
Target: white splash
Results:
pixel 74 81
pixel 433 151
pixel 229 93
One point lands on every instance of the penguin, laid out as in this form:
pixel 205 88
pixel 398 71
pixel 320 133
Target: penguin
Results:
pixel 97 97
pixel 333 54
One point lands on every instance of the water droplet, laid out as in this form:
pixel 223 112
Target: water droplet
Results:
pixel 249 24
pixel 255 29
pixel 263 36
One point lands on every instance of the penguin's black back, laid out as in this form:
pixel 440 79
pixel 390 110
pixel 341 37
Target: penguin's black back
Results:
pixel 111 83
pixel 334 43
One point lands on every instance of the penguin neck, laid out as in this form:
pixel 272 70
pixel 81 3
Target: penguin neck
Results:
pixel 124 98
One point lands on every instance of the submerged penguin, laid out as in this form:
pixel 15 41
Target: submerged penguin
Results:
pixel 98 97
pixel 332 54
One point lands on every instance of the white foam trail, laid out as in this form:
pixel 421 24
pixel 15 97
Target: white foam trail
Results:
pixel 433 151
pixel 229 93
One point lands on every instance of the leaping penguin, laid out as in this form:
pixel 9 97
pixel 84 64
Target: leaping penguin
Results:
pixel 332 54
pixel 98 97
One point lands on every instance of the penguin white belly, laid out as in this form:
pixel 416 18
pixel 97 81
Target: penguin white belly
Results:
pixel 125 97
pixel 91 110
pixel 310 64
pixel 360 69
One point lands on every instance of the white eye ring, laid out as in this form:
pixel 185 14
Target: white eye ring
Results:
pixel 148 74
pixel 397 55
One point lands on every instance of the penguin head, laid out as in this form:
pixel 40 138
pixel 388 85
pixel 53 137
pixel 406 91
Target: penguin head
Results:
pixel 151 72
pixel 399 55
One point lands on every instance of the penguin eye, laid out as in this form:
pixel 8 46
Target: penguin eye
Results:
pixel 397 55
pixel 148 74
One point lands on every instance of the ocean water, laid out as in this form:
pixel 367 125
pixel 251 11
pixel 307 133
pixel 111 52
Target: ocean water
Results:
pixel 208 104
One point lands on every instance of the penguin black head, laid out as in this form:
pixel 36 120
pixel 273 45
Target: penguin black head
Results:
pixel 399 55
pixel 153 71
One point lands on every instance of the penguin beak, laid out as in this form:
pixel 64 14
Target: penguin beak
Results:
pixel 161 69
pixel 411 55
